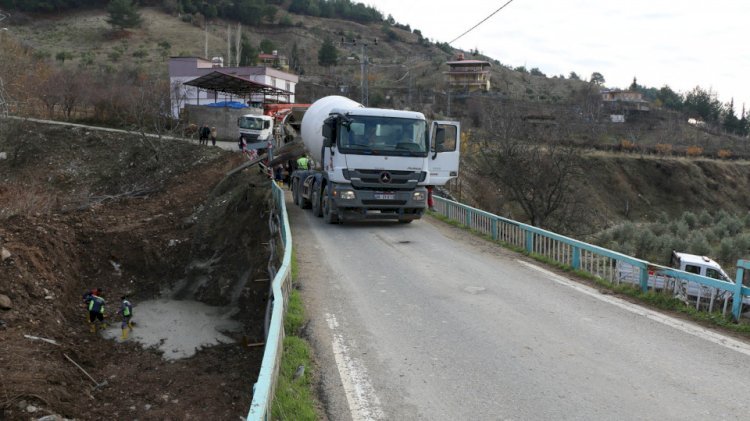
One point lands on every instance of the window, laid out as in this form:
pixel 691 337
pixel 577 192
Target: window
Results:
pixel 693 269
pixel 713 273
pixel 368 135
pixel 445 138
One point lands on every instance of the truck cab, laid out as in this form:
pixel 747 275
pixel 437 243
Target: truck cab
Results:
pixel 256 129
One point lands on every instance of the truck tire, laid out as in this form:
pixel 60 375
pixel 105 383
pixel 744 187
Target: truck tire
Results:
pixel 316 208
pixel 303 203
pixel 295 191
pixel 329 216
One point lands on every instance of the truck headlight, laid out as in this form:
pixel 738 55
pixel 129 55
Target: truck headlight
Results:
pixel 418 196
pixel 347 194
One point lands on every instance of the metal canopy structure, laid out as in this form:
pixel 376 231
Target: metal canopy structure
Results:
pixel 235 85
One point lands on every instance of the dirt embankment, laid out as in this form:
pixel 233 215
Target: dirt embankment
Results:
pixel 620 186
pixel 82 209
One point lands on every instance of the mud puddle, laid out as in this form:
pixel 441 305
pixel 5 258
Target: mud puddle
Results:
pixel 177 328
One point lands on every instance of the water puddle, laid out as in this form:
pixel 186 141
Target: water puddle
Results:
pixel 177 328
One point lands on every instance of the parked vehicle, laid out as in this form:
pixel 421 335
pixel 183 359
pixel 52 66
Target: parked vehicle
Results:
pixel 372 163
pixel 682 288
pixel 256 129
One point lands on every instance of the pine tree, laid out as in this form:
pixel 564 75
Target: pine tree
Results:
pixel 327 55
pixel 123 14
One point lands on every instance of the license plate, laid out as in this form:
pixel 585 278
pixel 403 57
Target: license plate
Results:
pixel 385 196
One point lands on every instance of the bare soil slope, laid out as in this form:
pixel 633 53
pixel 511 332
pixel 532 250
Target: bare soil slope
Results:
pixel 82 209
pixel 630 186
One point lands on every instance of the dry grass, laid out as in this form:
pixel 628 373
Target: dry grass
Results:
pixel 693 151
pixel 22 200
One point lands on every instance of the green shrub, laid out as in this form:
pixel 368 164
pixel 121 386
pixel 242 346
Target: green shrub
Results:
pixel 658 229
pixel 683 230
pixel 699 245
pixel 727 252
pixel 734 225
pixel 645 242
pixel 678 243
pixel 720 230
pixel 742 244
pixel 114 56
pixel 690 219
pixel 705 218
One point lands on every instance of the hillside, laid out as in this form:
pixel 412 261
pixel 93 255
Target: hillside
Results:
pixel 407 72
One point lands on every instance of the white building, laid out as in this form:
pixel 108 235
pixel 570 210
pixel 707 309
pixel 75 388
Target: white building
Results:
pixel 249 84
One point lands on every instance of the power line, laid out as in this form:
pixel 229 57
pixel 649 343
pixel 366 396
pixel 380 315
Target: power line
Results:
pixel 483 20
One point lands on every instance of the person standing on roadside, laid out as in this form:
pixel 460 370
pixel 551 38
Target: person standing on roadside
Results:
pixel 205 132
pixel 278 174
pixel 213 135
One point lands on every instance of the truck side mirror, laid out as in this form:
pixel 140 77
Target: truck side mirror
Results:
pixel 329 132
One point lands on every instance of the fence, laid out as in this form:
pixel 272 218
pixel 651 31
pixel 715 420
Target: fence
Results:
pixel 264 388
pixel 596 261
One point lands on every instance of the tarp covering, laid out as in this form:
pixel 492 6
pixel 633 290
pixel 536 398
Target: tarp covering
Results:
pixel 228 104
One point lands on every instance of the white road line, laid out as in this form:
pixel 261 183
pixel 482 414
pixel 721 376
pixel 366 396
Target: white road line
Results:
pixel 363 403
pixel 682 325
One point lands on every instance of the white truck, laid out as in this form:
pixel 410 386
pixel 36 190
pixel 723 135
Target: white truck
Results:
pixel 683 289
pixel 372 163
pixel 257 129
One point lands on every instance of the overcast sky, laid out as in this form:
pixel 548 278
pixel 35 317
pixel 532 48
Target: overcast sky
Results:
pixel 682 44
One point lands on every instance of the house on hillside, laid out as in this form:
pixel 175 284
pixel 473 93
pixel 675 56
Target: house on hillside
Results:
pixel 257 84
pixel 273 60
pixel 469 75
pixel 622 102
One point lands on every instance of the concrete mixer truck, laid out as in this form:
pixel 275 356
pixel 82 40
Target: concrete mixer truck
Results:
pixel 372 163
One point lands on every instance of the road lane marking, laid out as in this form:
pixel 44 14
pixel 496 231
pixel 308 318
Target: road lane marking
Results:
pixel 364 405
pixel 687 327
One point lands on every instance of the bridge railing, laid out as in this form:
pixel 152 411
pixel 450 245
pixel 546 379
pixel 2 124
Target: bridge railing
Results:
pixel 264 389
pixel 599 262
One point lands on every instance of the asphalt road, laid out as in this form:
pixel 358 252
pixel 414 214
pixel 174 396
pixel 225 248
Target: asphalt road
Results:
pixel 424 321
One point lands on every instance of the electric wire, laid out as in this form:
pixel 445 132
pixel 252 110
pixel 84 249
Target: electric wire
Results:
pixel 483 20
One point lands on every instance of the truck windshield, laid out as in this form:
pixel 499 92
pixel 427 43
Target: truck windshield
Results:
pixel 252 123
pixel 365 135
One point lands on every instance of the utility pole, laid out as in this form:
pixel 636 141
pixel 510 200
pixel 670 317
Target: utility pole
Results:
pixel 363 71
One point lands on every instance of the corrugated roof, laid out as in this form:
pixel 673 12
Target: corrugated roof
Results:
pixel 236 85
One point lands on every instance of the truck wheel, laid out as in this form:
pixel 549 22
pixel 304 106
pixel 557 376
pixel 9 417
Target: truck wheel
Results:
pixel 329 216
pixel 316 208
pixel 303 203
pixel 295 191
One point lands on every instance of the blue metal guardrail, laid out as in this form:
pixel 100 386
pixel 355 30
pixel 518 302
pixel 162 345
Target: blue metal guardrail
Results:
pixel 594 260
pixel 264 388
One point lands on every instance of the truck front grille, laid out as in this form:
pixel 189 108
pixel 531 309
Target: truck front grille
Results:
pixel 373 179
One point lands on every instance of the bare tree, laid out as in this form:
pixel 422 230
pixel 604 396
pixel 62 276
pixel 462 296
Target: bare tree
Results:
pixel 71 91
pixel 148 109
pixel 534 163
